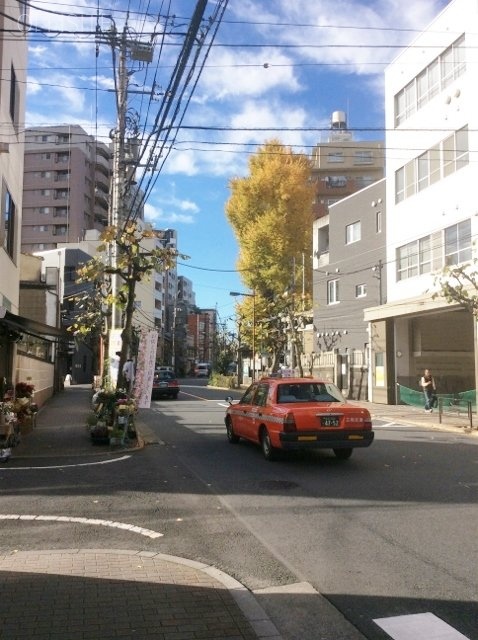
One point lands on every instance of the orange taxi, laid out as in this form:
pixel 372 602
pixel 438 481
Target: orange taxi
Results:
pixel 298 413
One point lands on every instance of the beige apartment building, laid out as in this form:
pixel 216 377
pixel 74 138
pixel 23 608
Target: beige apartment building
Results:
pixel 66 186
pixel 341 166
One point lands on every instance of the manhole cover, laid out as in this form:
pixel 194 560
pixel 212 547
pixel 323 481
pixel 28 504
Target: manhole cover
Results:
pixel 278 485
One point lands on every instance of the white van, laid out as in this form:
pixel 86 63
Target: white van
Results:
pixel 202 370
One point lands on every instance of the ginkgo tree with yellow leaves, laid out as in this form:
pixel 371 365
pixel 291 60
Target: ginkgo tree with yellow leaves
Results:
pixel 122 255
pixel 458 284
pixel 270 211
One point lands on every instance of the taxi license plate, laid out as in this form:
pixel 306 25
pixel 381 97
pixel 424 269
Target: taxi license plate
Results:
pixel 329 421
pixel 163 384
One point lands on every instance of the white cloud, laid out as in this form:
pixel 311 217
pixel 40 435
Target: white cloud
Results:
pixel 101 81
pixel 33 86
pixel 339 32
pixel 183 162
pixel 160 216
pixel 229 154
pixel 234 73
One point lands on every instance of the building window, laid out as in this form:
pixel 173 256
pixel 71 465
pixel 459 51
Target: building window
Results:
pixel 59 230
pixel 423 171
pixel 407 261
pixel 360 290
pixel 70 273
pixel 332 292
pixel 461 148
pixel 399 185
pixel 414 258
pixel 378 222
pixel 440 161
pixel 14 96
pixel 335 182
pixel 363 156
pixel 44 192
pixel 364 181
pixel 452 62
pixel 352 232
pixel 425 255
pixel 61 194
pixel 44 210
pixel 428 83
pixel 9 221
pixel 334 157
pixel 458 243
pixel 405 103
pixel 455 151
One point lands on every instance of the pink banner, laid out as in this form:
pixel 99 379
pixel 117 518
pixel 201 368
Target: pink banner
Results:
pixel 145 366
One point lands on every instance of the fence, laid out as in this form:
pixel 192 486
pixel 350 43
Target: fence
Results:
pixel 462 402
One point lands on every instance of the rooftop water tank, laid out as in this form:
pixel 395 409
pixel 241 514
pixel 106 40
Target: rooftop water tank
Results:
pixel 339 120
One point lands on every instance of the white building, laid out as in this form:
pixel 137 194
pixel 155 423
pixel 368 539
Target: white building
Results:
pixel 431 97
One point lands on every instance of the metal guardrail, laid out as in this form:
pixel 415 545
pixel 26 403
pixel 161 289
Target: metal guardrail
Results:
pixel 464 404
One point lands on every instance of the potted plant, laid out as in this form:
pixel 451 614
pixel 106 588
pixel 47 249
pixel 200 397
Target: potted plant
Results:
pixel 99 433
pixel 24 390
pixel 117 437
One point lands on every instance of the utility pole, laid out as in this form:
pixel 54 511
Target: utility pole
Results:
pixel 119 193
pixel 118 175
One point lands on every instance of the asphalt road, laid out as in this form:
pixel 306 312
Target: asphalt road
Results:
pixel 329 547
pixel 391 532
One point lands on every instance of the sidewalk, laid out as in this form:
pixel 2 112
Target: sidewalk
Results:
pixel 451 420
pixel 111 593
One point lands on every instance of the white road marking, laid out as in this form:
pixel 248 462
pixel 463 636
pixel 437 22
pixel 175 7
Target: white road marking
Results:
pixel 64 466
pixel 418 626
pixel 149 533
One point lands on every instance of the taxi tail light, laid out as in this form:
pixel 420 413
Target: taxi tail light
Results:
pixel 289 423
pixel 367 423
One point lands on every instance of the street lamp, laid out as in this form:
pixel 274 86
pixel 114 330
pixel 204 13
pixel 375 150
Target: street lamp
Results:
pixel 253 296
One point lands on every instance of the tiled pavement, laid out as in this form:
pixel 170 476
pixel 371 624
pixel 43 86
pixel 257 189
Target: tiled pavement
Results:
pixel 92 594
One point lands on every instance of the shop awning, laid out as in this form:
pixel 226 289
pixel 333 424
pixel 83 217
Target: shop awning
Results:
pixel 32 327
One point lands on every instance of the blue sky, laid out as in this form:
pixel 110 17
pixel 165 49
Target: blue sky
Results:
pixel 276 64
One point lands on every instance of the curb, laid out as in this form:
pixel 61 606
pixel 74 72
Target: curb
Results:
pixel 260 622
pixel 245 600
pixel 451 428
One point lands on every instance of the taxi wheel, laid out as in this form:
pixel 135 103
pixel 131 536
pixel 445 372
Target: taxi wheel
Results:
pixel 267 448
pixel 343 454
pixel 231 436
